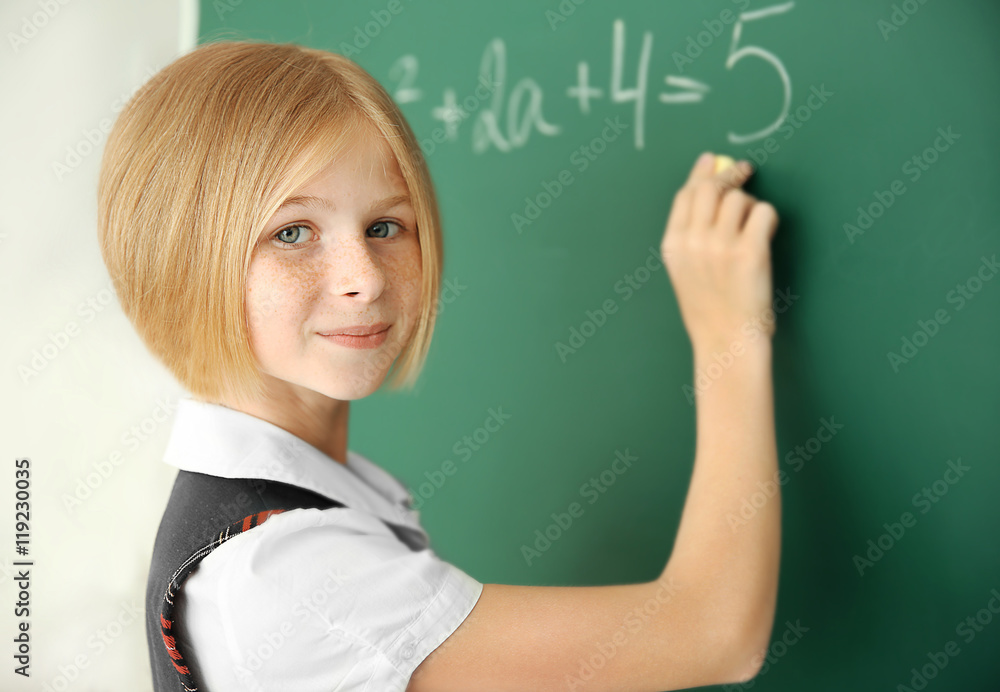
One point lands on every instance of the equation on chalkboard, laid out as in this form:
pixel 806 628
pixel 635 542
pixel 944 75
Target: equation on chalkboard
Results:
pixel 504 124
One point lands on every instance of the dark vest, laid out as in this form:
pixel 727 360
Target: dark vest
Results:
pixel 202 513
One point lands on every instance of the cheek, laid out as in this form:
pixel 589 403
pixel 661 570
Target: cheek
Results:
pixel 276 295
pixel 408 275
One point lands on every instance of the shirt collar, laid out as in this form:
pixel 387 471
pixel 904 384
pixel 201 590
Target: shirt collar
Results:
pixel 220 441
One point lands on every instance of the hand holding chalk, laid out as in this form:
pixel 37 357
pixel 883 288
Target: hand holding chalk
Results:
pixel 716 249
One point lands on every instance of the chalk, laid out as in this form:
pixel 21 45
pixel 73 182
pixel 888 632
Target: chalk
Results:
pixel 722 163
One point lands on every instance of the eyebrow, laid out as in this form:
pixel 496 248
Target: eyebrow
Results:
pixel 322 203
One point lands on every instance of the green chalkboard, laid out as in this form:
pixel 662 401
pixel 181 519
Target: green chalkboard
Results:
pixel 874 130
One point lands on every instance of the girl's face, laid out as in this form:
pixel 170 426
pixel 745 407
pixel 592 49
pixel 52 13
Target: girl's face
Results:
pixel 341 252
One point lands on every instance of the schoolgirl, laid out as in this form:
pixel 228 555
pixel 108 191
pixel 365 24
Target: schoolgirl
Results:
pixel 272 232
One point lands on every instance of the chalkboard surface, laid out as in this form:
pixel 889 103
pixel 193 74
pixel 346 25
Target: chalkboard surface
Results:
pixel 557 133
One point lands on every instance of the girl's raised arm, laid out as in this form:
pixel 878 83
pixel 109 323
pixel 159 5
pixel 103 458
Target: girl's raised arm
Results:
pixel 708 618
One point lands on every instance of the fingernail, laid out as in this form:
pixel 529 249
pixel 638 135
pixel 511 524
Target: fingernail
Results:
pixel 705 160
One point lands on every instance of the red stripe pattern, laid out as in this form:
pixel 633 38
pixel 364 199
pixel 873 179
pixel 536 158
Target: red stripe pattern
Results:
pixel 167 619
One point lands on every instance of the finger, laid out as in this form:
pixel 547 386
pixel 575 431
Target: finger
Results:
pixel 733 211
pixel 704 168
pixel 680 211
pixel 700 207
pixel 728 175
pixel 705 203
pixel 762 222
pixel 732 174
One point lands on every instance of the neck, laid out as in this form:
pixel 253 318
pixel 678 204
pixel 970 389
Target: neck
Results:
pixel 310 416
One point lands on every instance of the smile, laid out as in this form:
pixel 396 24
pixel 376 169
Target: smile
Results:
pixel 370 341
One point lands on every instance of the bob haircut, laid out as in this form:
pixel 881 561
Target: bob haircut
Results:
pixel 200 159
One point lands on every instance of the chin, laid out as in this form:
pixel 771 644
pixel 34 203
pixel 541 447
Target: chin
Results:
pixel 350 387
pixel 344 393
pixel 341 384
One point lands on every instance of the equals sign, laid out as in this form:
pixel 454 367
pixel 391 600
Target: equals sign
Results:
pixel 696 90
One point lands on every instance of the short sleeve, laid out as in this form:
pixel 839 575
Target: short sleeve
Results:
pixel 316 600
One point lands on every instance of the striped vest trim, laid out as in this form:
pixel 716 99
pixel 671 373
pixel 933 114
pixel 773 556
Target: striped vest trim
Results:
pixel 177 580
pixel 189 531
pixel 198 506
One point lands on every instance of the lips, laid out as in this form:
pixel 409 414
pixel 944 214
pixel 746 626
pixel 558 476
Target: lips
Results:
pixel 358 330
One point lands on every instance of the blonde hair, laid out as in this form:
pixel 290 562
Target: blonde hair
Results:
pixel 197 163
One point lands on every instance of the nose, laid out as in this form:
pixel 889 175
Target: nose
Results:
pixel 354 269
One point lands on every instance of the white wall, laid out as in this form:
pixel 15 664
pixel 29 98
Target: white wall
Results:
pixel 75 377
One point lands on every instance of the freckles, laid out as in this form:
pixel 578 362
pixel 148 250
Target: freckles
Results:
pixel 406 278
pixel 407 285
pixel 279 291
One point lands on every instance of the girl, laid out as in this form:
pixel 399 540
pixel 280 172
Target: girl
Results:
pixel 273 234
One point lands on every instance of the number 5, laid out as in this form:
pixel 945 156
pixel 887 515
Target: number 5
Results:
pixel 736 55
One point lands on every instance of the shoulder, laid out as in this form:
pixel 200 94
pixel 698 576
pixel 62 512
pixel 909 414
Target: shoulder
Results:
pixel 339 591
pixel 305 539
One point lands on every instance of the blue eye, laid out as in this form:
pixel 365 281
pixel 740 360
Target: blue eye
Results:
pixel 288 234
pixel 387 223
pixel 300 234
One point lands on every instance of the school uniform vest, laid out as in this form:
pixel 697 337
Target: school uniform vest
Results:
pixel 202 513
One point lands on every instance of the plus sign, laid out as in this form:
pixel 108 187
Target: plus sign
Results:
pixel 449 113
pixel 583 91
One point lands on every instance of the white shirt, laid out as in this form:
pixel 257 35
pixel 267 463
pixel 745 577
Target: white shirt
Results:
pixel 311 599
